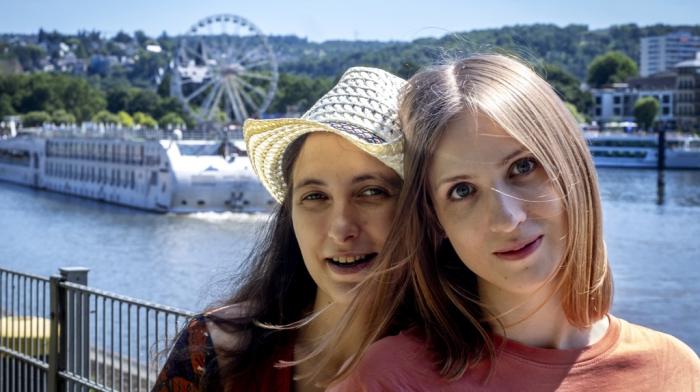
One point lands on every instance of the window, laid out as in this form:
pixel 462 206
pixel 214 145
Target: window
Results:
pixel 616 100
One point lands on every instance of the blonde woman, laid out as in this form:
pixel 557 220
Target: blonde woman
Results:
pixel 499 242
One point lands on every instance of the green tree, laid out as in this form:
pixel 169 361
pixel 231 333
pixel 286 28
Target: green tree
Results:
pixel 645 111
pixel 105 117
pixel 298 92
pixel 172 119
pixel 61 116
pixel 568 87
pixel 80 98
pixel 580 118
pixel 145 120
pixel 35 118
pixel 125 119
pixel 119 97
pixel 143 100
pixel 6 107
pixel 611 67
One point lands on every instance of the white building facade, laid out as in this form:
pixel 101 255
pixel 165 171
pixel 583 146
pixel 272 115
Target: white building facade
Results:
pixel 662 52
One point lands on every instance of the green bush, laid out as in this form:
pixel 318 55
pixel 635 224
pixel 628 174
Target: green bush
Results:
pixel 35 118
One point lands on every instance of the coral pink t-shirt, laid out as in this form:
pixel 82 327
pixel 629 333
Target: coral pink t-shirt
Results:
pixel 628 358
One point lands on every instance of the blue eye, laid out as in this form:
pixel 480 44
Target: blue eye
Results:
pixel 461 191
pixel 523 166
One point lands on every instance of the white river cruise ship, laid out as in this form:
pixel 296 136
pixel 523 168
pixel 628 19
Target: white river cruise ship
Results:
pixel 637 150
pixel 149 170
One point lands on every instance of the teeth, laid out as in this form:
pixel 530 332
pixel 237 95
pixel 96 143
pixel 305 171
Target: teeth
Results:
pixel 349 259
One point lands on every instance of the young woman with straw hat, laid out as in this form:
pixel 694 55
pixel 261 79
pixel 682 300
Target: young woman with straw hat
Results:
pixel 499 241
pixel 336 173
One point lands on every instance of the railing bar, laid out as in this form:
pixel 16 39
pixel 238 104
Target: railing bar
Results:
pixel 104 342
pixel 30 313
pixel 43 325
pixel 84 335
pixel 14 354
pixel 16 273
pixel 3 319
pixel 138 349
pixel 157 337
pixel 148 349
pixel 22 305
pixel 111 351
pixel 128 344
pixel 34 337
pixel 96 341
pixel 120 348
pixel 126 299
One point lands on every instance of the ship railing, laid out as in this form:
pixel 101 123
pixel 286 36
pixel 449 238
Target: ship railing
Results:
pixel 58 334
pixel 101 131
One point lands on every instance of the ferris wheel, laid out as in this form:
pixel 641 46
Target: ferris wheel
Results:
pixel 224 71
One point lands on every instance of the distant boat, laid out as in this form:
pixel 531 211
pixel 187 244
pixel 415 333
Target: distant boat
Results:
pixel 158 172
pixel 638 150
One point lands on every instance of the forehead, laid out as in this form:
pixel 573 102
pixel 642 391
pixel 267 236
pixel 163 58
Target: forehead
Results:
pixel 473 138
pixel 326 154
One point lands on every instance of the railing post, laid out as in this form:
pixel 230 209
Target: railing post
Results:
pixel 57 345
pixel 79 313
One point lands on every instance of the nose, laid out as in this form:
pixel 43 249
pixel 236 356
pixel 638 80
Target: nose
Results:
pixel 507 211
pixel 344 225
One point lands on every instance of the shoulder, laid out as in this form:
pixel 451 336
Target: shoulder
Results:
pixel 227 327
pixel 666 353
pixel 646 339
pixel 191 361
pixel 401 362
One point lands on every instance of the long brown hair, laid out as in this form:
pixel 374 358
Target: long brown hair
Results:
pixel 418 262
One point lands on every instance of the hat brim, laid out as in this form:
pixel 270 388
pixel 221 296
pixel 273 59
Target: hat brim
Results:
pixel 267 140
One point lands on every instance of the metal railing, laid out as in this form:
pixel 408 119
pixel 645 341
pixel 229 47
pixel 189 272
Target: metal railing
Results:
pixel 58 334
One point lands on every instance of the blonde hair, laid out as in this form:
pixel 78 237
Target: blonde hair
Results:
pixel 420 270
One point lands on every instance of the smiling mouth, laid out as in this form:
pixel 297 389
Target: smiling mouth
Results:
pixel 351 261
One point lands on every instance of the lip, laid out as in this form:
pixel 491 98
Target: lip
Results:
pixel 354 267
pixel 520 251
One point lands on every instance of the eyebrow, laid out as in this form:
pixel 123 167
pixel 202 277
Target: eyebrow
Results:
pixel 355 180
pixel 504 162
pixel 512 155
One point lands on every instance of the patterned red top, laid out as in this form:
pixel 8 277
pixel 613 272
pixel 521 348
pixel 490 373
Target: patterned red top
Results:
pixel 192 366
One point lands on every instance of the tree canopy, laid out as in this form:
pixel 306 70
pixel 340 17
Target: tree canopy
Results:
pixel 611 67
pixel 645 111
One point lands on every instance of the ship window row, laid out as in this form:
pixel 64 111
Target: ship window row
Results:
pixel 96 175
pixel 14 157
pixel 134 154
pixel 619 154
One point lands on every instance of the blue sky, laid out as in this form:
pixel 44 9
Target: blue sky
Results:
pixel 320 20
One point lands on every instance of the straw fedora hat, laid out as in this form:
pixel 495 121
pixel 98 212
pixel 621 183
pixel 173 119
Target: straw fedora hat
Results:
pixel 362 108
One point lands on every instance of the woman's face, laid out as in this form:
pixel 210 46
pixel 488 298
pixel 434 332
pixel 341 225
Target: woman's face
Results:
pixel 343 202
pixel 497 206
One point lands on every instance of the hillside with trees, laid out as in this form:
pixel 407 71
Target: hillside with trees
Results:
pixel 79 76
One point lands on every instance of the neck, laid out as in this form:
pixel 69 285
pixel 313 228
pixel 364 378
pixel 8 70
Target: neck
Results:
pixel 538 319
pixel 311 333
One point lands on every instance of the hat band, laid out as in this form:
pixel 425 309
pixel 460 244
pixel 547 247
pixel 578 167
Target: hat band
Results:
pixel 359 132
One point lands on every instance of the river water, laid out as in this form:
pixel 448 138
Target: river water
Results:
pixel 652 232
